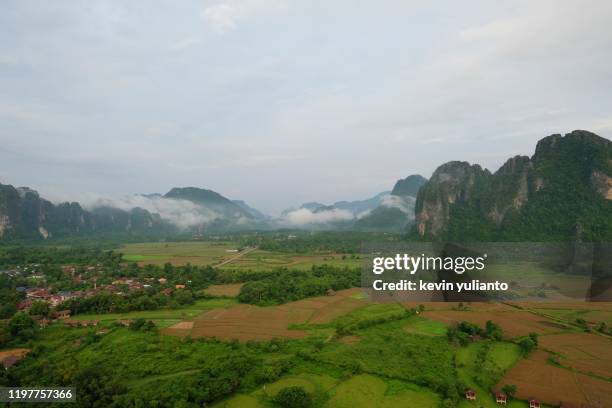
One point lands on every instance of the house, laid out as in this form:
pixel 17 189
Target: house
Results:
pixel 162 281
pixel 71 323
pixel 55 300
pixel 38 294
pixel 534 403
pixel 179 286
pixel 501 398
pixel 331 292
pixel 9 358
pixel 81 323
pixel 125 323
pixel 44 322
pixel 9 361
pixel 167 291
pixel 62 314
pixel 470 394
pixel 24 304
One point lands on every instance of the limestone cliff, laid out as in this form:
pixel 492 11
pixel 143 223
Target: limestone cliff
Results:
pixel 565 184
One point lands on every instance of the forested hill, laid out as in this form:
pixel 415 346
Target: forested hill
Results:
pixel 563 191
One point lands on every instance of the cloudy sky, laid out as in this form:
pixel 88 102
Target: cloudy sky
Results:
pixel 280 102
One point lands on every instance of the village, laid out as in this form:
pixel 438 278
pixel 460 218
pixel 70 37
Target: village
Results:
pixel 52 301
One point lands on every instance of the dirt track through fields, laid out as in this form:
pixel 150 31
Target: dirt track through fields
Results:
pixel 232 259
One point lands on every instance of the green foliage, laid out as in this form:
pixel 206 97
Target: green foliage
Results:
pixel 288 285
pixel 96 387
pixel 384 350
pixel 527 345
pixel 39 308
pixel 293 397
pixel 493 331
pixel 509 390
pixel 38 254
pixel 347 242
pixel 22 327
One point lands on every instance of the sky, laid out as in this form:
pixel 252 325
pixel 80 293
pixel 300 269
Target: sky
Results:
pixel 282 102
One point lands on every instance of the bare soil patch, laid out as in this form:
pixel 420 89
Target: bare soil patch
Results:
pixel 230 290
pixel 514 323
pixel 248 322
pixel 536 378
pixel 585 352
pixel 349 339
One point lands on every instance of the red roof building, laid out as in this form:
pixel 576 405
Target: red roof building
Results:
pixel 533 403
pixel 501 398
pixel 470 394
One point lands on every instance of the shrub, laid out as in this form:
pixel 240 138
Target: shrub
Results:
pixel 293 397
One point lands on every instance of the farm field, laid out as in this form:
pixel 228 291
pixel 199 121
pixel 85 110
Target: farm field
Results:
pixel 178 253
pixel 266 260
pixel 515 323
pixel 535 376
pixel 583 352
pixel 220 253
pixel 248 322
pixel 230 290
pixel 359 391
pixel 163 317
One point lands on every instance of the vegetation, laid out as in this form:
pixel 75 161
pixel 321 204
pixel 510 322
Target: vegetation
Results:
pixel 293 397
pixel 283 285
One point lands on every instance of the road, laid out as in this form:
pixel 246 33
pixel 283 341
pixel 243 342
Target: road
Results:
pixel 232 259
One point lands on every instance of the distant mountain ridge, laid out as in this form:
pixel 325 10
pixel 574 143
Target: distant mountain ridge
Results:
pixel 396 211
pixel 24 214
pixel 563 191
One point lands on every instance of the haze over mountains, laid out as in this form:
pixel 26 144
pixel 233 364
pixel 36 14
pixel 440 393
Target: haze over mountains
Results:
pixel 25 214
pixel 564 189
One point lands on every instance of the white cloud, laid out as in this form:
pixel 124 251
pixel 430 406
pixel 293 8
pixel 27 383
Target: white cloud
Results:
pixel 304 216
pixel 181 213
pixel 223 17
pixel 404 204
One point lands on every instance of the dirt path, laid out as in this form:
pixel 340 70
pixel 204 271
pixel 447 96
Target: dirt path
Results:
pixel 246 251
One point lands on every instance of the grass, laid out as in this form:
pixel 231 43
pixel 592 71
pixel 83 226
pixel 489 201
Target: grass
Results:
pixel 212 253
pixel 425 327
pixel 358 391
pixel 482 374
pixel 370 391
pixel 179 253
pixel 372 311
pixel 164 317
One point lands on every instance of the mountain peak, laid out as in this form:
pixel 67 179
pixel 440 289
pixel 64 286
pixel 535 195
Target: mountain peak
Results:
pixel 408 186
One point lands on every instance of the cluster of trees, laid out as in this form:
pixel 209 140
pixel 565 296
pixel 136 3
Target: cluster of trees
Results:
pixel 37 254
pixel 465 331
pixel 344 328
pixel 9 296
pixel 19 329
pixel 528 343
pixel 347 242
pixel 149 299
pixel 293 397
pixel 288 285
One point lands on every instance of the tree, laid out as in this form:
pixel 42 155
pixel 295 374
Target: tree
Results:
pixel 21 326
pixel 39 308
pixel 527 345
pixel 509 390
pixel 96 387
pixel 534 337
pixel 293 397
pixel 493 331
